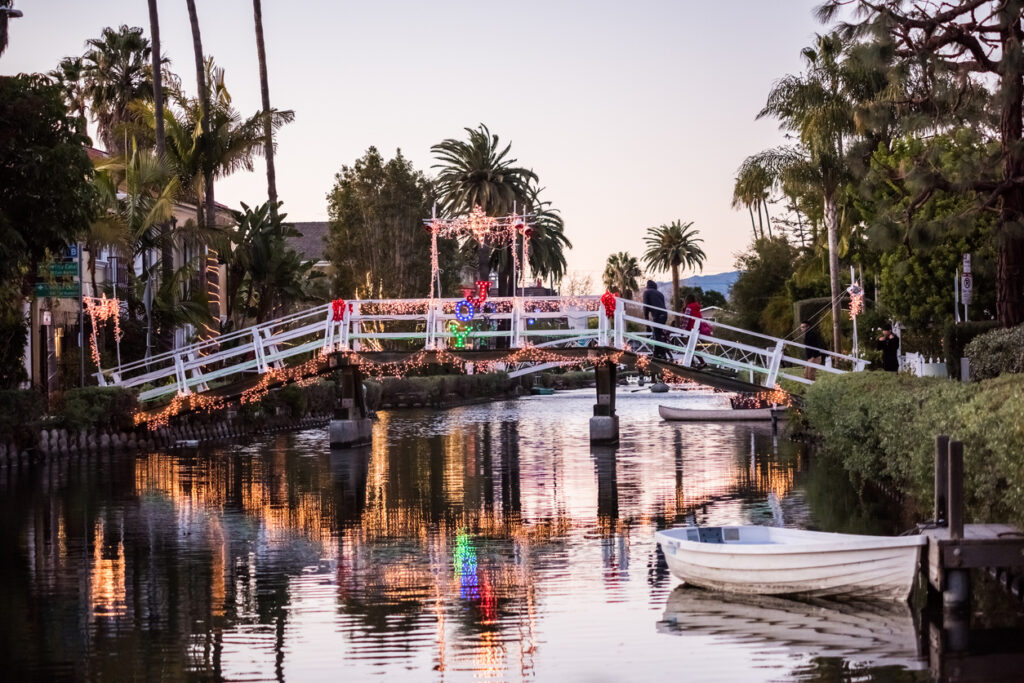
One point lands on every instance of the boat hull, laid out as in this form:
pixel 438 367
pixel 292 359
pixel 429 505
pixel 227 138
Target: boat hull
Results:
pixel 850 566
pixel 724 415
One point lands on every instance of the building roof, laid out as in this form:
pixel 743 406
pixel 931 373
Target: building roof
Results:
pixel 312 245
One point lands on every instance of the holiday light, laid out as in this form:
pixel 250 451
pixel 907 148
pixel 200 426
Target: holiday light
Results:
pixel 338 310
pixel 460 334
pixel 608 301
pixel 464 310
pixel 101 309
pixel 856 299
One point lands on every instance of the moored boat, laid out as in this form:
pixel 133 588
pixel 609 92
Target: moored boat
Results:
pixel 774 561
pixel 721 415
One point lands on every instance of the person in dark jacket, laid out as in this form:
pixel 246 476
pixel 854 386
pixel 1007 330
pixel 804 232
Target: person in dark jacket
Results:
pixel 889 345
pixel 657 314
pixel 812 339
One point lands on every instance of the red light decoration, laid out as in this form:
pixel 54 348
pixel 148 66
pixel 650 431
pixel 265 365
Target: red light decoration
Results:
pixel 608 301
pixel 338 309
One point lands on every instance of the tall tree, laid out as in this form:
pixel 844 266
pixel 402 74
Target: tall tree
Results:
pixel 478 172
pixel 117 72
pixel 376 240
pixel 268 130
pixel 816 106
pixel 753 187
pixel 70 76
pixel 671 246
pixel 981 39
pixel 209 217
pixel 46 194
pixel 622 271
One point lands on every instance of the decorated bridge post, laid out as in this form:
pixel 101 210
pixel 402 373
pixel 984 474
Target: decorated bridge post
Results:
pixel 604 425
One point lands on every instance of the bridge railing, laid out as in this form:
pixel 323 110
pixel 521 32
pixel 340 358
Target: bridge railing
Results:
pixel 365 325
pixel 765 359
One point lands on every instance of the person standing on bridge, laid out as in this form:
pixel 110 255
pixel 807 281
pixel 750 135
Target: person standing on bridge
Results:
pixel 654 310
pixel 813 353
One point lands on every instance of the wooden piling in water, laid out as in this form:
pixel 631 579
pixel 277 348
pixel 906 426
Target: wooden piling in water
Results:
pixel 939 515
pixel 955 499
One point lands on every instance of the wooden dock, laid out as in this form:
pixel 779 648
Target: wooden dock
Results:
pixel 982 545
pixel 955 547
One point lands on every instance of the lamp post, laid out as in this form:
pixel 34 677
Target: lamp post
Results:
pixel 5 14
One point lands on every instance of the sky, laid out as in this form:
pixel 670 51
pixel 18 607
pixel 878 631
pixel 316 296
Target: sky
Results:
pixel 633 114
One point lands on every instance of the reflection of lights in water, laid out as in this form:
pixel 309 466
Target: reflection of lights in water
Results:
pixel 107 578
pixel 464 560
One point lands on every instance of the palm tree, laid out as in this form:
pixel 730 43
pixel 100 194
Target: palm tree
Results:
pixel 477 172
pixel 623 272
pixel 70 76
pixel 117 71
pixel 268 132
pixel 816 105
pixel 671 246
pixel 753 187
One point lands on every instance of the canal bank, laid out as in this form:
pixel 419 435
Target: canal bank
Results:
pixel 880 427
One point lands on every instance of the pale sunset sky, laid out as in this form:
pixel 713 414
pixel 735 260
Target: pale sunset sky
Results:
pixel 633 114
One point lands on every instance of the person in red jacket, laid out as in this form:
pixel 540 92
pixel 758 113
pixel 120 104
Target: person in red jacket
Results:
pixel 693 311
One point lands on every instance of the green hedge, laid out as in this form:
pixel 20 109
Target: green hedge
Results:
pixel 575 379
pixel 881 427
pixel 21 412
pixel 110 408
pixel 998 352
pixel 956 338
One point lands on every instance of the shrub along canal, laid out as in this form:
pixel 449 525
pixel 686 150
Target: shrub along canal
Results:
pixel 485 542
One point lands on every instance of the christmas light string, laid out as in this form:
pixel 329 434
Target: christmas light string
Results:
pixel 101 309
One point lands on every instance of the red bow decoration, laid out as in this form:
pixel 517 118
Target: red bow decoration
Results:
pixel 338 307
pixel 608 299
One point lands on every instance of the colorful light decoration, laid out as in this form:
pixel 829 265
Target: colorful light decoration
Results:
pixel 464 310
pixel 460 333
pixel 338 309
pixel 856 299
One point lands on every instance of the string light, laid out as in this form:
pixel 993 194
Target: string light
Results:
pixel 460 333
pixel 100 310
pixel 856 299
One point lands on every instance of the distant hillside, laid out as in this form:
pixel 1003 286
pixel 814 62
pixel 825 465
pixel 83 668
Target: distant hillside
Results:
pixel 721 282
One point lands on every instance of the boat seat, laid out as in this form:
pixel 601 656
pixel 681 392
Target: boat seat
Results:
pixel 711 534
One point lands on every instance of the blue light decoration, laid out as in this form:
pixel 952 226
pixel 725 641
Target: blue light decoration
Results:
pixel 464 310
pixel 464 561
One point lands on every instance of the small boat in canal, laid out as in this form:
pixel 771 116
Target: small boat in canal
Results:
pixel 541 391
pixel 721 415
pixel 775 561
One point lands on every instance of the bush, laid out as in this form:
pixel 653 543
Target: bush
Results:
pixel 439 389
pixel 998 352
pixel 111 408
pixel 881 427
pixel 21 412
pixel 956 338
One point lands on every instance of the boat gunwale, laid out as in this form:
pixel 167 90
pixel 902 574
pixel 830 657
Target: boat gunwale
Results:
pixel 827 543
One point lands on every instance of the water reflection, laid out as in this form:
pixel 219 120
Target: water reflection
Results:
pixel 489 542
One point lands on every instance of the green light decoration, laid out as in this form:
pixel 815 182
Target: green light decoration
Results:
pixel 464 560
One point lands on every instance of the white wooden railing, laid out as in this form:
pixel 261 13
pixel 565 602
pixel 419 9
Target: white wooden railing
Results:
pixel 415 324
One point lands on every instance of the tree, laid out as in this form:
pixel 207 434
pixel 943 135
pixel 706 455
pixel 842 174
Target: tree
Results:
pixel 70 76
pixel 816 106
pixel 759 296
pixel 979 39
pixel 622 271
pixel 117 72
pixel 268 273
pixel 548 242
pixel 671 246
pixel 376 210
pixel 711 297
pixel 478 172
pixel 46 193
pixel 753 187
pixel 268 130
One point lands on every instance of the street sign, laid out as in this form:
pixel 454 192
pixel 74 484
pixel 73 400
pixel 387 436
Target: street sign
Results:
pixel 967 264
pixel 60 290
pixel 72 251
pixel 47 319
pixel 59 269
pixel 966 288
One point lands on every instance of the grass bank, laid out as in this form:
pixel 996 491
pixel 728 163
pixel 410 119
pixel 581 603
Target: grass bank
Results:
pixel 881 426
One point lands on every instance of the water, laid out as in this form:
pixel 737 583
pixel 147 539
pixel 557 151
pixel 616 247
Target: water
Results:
pixel 483 543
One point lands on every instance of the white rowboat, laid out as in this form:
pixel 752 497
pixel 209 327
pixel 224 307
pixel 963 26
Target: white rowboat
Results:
pixel 773 561
pixel 723 415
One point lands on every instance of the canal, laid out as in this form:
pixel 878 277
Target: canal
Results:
pixel 488 542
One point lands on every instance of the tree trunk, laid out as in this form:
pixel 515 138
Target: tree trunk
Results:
pixel 760 222
pixel 166 248
pixel 831 223
pixel 268 130
pixel 767 219
pixel 753 227
pixel 210 214
pixel 675 287
pixel 1010 268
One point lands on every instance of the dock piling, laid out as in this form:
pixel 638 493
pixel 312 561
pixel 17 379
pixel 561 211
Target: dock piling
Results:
pixel 940 515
